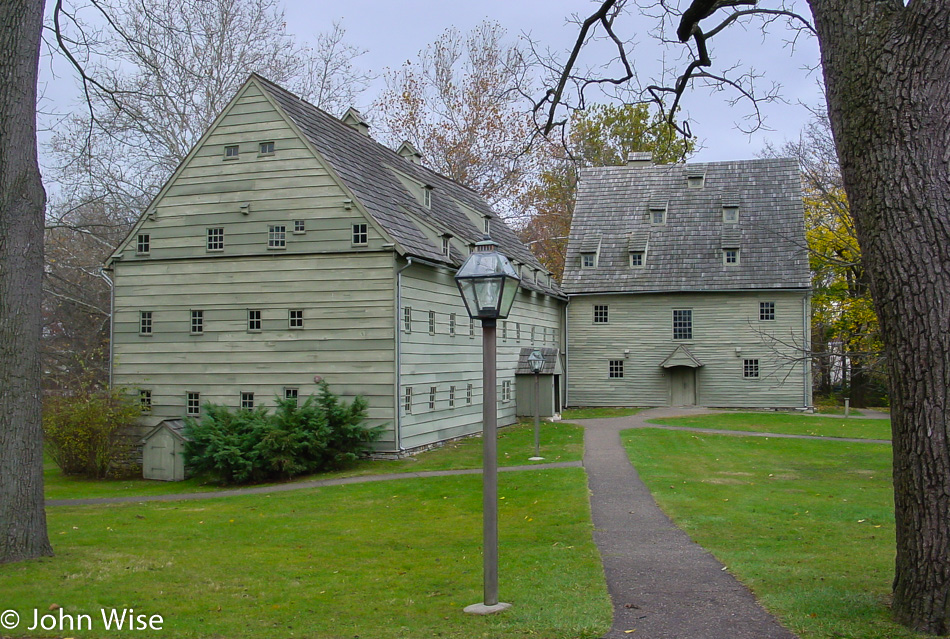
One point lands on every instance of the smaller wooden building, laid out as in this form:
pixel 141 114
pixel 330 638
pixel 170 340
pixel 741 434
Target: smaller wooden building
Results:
pixel 162 451
pixel 548 383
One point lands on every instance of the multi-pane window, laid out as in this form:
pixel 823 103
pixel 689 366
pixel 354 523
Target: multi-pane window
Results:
pixel 468 394
pixel 471 327
pixel 145 322
pixel 407 400
pixel 296 318
pixel 426 196
pixel 730 214
pixel 216 239
pixel 766 311
pixel 750 368
pixel 587 260
pixel 730 256
pixel 231 152
pixel 600 314
pixel 446 246
pixel 506 390
pixel 682 324
pixel 192 403
pixel 658 216
pixel 197 322
pixel 253 320
pixel 636 259
pixel 432 391
pixel 267 148
pixel 247 400
pixel 277 236
pixel 291 394
pixel 451 397
pixel 360 234
pixel 518 331
pixel 487 226
pixel 300 226
pixel 144 244
pixel 504 330
pixel 431 322
pixel 615 368
pixel 452 324
pixel 532 334
pixel 407 319
pixel 145 401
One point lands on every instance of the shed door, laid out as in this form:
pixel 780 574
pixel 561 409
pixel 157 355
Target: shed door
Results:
pixel 159 457
pixel 682 386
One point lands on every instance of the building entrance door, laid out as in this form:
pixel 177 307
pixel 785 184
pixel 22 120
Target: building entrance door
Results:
pixel 682 386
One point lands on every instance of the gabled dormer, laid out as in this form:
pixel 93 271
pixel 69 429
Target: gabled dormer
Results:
pixel 411 153
pixel 354 118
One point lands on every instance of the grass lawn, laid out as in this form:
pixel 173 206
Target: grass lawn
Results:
pixel 808 525
pixel 374 560
pixel 787 424
pixel 559 442
pixel 599 413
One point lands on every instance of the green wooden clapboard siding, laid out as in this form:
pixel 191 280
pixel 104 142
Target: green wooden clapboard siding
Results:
pixel 722 322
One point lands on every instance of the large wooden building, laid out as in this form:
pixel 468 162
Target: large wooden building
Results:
pixel 290 247
pixel 689 284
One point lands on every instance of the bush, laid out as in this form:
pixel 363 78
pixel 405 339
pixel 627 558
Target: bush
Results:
pixel 247 446
pixel 87 432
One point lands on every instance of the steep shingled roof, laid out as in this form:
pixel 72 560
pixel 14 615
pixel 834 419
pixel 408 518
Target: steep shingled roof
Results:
pixel 685 253
pixel 372 172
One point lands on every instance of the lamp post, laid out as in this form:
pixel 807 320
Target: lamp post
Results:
pixel 488 284
pixel 536 362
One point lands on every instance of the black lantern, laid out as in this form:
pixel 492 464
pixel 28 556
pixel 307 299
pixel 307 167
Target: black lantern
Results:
pixel 536 361
pixel 488 282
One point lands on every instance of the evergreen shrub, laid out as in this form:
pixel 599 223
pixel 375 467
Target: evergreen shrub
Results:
pixel 246 446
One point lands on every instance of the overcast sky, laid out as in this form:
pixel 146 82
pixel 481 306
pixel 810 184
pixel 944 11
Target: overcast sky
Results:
pixel 395 31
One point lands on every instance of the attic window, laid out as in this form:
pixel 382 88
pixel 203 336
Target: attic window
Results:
pixel 446 245
pixel 695 181
pixel 636 259
pixel 588 260
pixel 360 234
pixel 299 227
pixel 231 152
pixel 277 236
pixel 145 401
pixel 427 196
pixel 143 244
pixel 487 225
pixel 266 148
pixel 730 256
pixel 730 214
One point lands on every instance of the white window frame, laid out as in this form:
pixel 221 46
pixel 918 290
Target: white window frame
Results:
pixel 292 392
pixel 407 319
pixel 451 396
pixel 637 256
pixel 145 322
pixel 750 368
pixel 730 215
pixel 255 317
pixel 432 323
pixel 469 392
pixel 143 244
pixel 407 400
pixel 360 234
pixel 679 325
pixel 232 151
pixel 657 217
pixel 247 400
pixel 766 311
pixel 506 391
pixel 433 392
pixel 295 323
pixel 192 403
pixel 145 401
pixel 276 236
pixel 588 260
pixel 300 227
pixel 266 148
pixel 730 256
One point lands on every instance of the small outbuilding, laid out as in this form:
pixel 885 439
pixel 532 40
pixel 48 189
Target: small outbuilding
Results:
pixel 162 451
pixel 548 382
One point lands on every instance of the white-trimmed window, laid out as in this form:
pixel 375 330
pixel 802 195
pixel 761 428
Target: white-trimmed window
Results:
pixel 232 152
pixel 600 313
pixel 487 225
pixel 588 260
pixel 254 321
pixel 636 259
pixel 504 330
pixel 682 324
pixel 730 256
pixel 657 217
pixel 431 322
pixel 750 368
pixel 471 327
pixel 517 331
pixel 295 318
pixel 532 333
pixel 451 397
pixel 216 239
pixel 300 227
pixel 247 400
pixel 452 322
pixel 145 322
pixel 291 394
pixel 266 148
pixel 145 401
pixel 469 391
pixel 506 390
pixel 192 403
pixel 615 368
pixel 427 196
pixel 432 392
pixel 360 234
pixel 143 244
pixel 407 400
pixel 197 322
pixel 276 236
pixel 407 319
pixel 730 214
pixel 766 311
pixel 446 245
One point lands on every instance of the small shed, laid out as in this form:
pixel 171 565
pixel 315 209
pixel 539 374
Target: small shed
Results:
pixel 549 383
pixel 162 451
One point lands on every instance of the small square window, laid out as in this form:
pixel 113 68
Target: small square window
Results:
pixel 452 324
pixel 658 217
pixel 432 392
pixel 197 322
pixel 600 314
pixel 683 324
pixel 145 401
pixel 277 236
pixel 468 394
pixel 192 403
pixel 144 244
pixel 407 400
pixel 267 148
pixel 247 401
pixel 254 321
pixel 231 152
pixel 300 226
pixel 766 311
pixel 615 368
pixel 730 214
pixel 431 322
pixel 292 394
pixel 695 181
pixel 636 259
pixel 216 239
pixel 730 256
pixel 145 322
pixel 451 397
pixel 360 234
pixel 587 260
pixel 750 368
pixel 407 319
pixel 296 318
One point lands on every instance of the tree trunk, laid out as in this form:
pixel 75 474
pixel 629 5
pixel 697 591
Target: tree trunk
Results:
pixel 887 72
pixel 22 201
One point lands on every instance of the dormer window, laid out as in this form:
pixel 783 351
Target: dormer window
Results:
pixel 730 214
pixel 636 259
pixel 695 176
pixel 231 152
pixel 588 260
pixel 658 206
pixel 487 225
pixel 446 245
pixel 427 196
pixel 730 256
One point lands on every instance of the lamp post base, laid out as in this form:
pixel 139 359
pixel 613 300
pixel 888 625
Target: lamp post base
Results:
pixel 482 609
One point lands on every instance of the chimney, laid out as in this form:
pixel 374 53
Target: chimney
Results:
pixel 640 158
pixel 354 119
pixel 409 152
